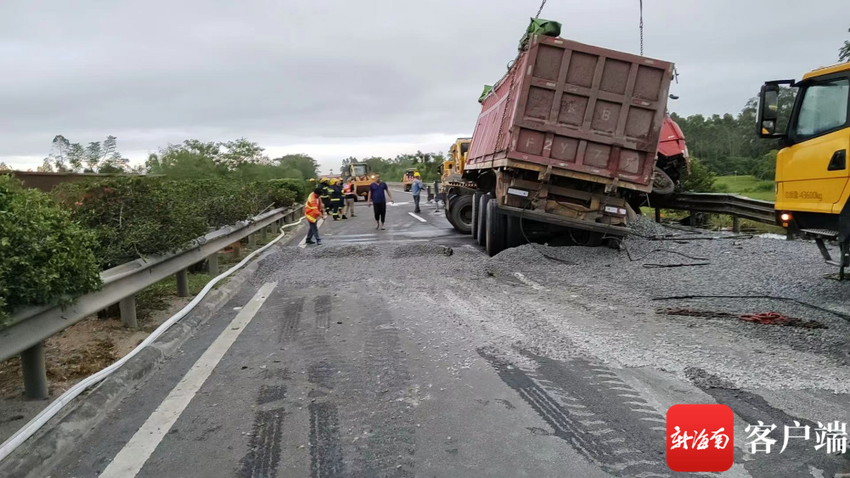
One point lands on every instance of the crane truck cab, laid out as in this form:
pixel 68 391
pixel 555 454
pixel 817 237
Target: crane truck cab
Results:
pixel 811 168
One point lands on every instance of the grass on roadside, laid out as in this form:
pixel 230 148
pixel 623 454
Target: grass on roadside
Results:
pixel 748 186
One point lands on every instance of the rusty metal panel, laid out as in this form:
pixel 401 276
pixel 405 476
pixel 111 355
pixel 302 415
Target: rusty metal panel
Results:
pixel 577 107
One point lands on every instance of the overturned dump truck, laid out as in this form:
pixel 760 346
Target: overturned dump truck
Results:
pixel 562 141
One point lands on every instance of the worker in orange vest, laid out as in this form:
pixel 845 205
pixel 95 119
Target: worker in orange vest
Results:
pixel 313 210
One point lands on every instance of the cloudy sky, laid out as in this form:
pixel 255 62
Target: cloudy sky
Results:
pixel 336 78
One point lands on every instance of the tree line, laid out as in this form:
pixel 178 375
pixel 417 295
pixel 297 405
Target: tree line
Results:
pixel 191 159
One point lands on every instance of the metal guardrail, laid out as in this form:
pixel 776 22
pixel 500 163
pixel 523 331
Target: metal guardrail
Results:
pixel 731 204
pixel 28 328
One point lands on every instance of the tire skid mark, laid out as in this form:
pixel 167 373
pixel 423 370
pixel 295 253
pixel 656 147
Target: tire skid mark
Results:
pixel 325 449
pixel 291 319
pixel 264 447
pixel 390 445
pixel 323 305
pixel 578 410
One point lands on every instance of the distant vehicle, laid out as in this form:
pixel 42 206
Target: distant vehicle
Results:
pixel 407 179
pixel 362 178
pixel 811 169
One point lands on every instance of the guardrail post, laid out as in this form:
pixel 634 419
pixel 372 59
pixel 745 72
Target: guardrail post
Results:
pixel 658 214
pixel 736 224
pixel 212 264
pixel 127 306
pixel 182 283
pixel 252 240
pixel 35 371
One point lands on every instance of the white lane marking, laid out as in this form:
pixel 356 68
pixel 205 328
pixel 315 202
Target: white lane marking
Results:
pixel 403 203
pixel 303 242
pixel 130 460
pixel 525 280
pixel 417 217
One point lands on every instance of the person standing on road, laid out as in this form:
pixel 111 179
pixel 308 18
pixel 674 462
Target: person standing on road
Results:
pixel 350 191
pixel 313 210
pixel 378 193
pixel 416 190
pixel 336 198
pixel 325 194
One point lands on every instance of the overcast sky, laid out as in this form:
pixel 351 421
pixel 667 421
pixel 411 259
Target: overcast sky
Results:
pixel 335 78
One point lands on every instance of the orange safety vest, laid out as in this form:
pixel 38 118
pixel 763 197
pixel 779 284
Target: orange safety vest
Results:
pixel 311 208
pixel 346 189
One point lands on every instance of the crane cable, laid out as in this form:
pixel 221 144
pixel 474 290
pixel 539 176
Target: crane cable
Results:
pixel 641 26
pixel 540 10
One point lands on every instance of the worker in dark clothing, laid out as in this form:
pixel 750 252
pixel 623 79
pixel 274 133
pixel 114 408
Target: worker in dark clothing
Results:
pixel 336 198
pixel 326 194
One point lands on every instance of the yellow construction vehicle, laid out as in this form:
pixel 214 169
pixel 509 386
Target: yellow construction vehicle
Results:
pixel 812 188
pixel 457 191
pixel 362 178
pixel 407 179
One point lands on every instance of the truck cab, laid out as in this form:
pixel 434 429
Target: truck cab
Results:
pixel 811 168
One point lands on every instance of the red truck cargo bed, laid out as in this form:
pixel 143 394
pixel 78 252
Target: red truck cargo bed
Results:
pixel 589 112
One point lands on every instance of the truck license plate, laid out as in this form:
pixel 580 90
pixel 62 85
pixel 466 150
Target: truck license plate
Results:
pixel 518 192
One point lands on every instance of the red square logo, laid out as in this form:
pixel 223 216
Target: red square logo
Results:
pixel 700 438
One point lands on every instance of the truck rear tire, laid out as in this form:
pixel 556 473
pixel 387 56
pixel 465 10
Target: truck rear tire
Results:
pixel 482 219
pixel 476 213
pixel 514 232
pixel 460 213
pixel 497 234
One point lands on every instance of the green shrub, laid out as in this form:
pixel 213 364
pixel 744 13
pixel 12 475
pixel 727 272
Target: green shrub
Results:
pixel 44 255
pixel 297 187
pixel 134 217
pixel 701 179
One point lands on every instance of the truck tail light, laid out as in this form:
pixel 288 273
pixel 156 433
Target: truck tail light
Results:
pixel 785 217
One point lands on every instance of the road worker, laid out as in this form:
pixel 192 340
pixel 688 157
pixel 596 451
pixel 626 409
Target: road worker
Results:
pixel 313 210
pixel 326 193
pixel 336 198
pixel 416 189
pixel 350 193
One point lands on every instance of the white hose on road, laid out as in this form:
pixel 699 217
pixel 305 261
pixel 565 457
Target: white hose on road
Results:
pixel 39 420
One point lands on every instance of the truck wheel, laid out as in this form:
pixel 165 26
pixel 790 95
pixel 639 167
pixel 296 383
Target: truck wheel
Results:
pixel 497 233
pixel 514 232
pixel 482 219
pixel 662 183
pixel 460 214
pixel 476 213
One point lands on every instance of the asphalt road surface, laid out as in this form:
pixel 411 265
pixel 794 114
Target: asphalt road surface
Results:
pixel 408 352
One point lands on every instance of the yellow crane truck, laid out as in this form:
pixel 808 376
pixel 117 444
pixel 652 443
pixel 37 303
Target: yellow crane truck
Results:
pixel 812 187
pixel 458 191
